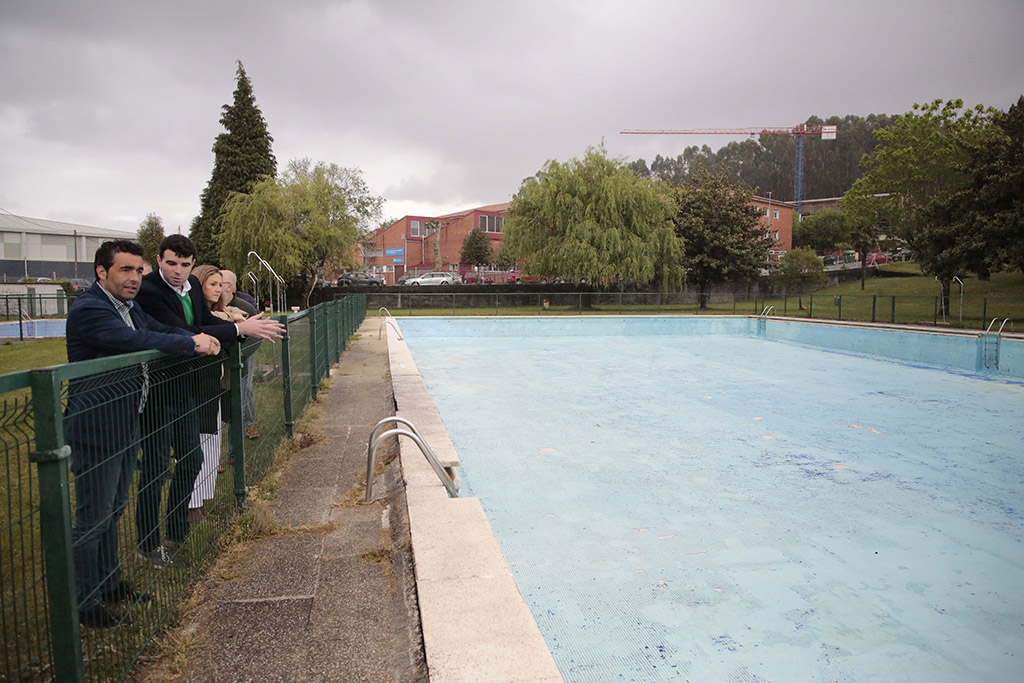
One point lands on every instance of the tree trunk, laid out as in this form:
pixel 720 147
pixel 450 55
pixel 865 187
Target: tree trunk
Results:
pixel 944 299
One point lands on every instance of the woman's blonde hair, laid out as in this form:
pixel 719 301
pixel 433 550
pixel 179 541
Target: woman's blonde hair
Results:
pixel 203 273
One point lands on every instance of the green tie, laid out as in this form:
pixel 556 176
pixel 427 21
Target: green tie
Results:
pixel 186 306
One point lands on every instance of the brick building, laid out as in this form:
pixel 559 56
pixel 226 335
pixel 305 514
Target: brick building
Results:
pixel 407 245
pixel 777 224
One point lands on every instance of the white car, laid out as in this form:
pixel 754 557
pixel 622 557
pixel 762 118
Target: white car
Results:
pixel 432 279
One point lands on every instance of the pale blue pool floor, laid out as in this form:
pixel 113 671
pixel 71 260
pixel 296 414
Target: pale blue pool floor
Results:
pixel 733 509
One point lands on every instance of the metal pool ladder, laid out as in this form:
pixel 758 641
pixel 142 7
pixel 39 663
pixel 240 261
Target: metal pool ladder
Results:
pixel 762 320
pixel 991 343
pixel 412 433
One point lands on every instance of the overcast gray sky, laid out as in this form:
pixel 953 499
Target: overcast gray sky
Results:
pixel 109 108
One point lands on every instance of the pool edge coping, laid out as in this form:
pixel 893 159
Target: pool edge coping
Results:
pixel 475 623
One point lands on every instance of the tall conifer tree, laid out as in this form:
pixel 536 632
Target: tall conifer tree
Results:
pixel 242 157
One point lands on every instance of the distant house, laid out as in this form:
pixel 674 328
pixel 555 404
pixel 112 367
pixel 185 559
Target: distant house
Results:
pixel 407 245
pixel 776 224
pixel 36 247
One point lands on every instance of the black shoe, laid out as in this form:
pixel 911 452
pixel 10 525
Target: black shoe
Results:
pixel 100 617
pixel 123 592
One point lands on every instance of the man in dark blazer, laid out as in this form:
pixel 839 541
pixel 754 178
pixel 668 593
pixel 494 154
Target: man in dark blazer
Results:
pixel 174 297
pixel 102 419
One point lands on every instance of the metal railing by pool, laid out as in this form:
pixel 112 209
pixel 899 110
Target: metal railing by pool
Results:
pixel 41 635
pixel 968 312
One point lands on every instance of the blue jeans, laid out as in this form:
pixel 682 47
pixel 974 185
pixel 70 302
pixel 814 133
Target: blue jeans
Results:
pixel 102 483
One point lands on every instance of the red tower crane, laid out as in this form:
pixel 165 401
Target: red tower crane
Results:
pixel 799 132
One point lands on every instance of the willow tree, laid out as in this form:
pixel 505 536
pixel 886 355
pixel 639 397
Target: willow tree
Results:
pixel 303 224
pixel 593 218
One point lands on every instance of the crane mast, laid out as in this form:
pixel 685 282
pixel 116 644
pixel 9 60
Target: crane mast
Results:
pixel 799 132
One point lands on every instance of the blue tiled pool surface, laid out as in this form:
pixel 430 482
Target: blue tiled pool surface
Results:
pixel 707 504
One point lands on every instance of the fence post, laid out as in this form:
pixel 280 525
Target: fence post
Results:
pixel 984 311
pixel 892 315
pixel 21 322
pixel 51 457
pixel 314 366
pixel 874 298
pixel 235 433
pixel 286 377
pixel 810 307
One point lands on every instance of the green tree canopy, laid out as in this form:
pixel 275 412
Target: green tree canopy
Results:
pixel 476 249
pixel 988 212
pixel 593 218
pixel 919 161
pixel 241 157
pixel 303 224
pixel 720 230
pixel 800 271
pixel 826 229
pixel 150 235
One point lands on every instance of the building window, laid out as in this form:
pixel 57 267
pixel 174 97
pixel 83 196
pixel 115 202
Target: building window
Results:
pixel 775 235
pixel 492 223
pixel 775 213
pixel 419 229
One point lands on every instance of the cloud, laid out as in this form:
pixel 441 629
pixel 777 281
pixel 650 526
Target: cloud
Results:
pixel 111 108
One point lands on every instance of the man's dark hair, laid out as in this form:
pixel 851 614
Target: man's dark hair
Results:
pixel 179 244
pixel 105 254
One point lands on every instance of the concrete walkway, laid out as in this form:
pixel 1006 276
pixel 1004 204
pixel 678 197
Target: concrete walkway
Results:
pixel 329 595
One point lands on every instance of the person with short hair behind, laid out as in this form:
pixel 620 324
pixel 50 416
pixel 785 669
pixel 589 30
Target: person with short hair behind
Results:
pixel 102 420
pixel 245 303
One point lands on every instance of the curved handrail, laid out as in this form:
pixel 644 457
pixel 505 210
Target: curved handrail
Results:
pixel 387 321
pixel 384 308
pixel 1005 320
pixel 767 311
pixel 371 459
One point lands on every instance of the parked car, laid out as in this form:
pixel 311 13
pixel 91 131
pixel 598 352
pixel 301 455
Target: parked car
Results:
pixel 877 259
pixel 515 277
pixel 405 278
pixel 437 278
pixel 80 284
pixel 477 278
pixel 828 260
pixel 349 279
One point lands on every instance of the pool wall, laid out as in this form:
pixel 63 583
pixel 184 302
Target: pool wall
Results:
pixel 958 351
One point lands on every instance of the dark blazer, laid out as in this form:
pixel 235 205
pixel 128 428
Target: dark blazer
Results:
pixel 101 408
pixel 160 301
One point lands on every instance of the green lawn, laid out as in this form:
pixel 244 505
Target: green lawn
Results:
pixel 16 356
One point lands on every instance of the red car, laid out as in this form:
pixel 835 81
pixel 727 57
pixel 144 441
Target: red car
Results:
pixel 515 277
pixel 877 259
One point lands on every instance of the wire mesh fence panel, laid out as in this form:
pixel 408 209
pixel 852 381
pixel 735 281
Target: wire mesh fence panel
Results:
pixel 149 489
pixel 24 619
pixel 149 505
pixel 263 419
pixel 300 362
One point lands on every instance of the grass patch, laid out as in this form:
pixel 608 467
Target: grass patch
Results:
pixel 16 356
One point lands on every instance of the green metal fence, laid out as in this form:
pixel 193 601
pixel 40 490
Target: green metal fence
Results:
pixel 134 404
pixel 972 312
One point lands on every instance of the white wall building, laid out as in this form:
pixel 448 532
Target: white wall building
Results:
pixel 35 247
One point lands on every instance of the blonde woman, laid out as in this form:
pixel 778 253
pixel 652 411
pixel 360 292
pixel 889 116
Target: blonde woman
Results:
pixel 209 402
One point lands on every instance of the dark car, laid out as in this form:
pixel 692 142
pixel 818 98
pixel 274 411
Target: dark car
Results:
pixel 357 279
pixel 828 260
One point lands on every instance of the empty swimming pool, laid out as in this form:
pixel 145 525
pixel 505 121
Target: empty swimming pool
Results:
pixel 682 499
